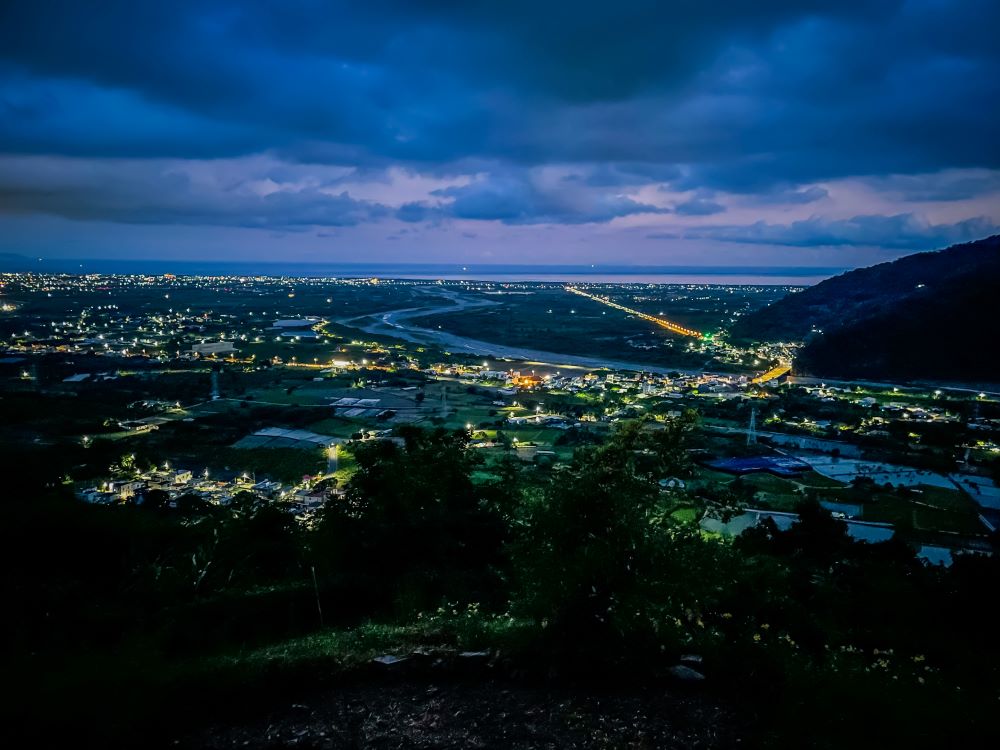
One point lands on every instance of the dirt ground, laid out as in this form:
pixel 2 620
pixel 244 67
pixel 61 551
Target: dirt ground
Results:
pixel 417 714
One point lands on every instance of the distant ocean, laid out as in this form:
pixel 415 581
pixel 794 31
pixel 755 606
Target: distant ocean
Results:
pixel 725 275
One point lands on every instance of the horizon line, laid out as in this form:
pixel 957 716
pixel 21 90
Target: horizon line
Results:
pixel 449 267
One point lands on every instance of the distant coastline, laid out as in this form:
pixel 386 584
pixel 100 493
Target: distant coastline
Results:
pixel 624 274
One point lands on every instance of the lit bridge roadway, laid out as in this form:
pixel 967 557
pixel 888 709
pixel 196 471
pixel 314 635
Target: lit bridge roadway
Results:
pixel 777 371
pixel 663 323
pixel 782 368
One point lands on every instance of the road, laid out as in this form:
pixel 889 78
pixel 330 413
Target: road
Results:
pixel 662 322
pixel 782 368
pixel 394 323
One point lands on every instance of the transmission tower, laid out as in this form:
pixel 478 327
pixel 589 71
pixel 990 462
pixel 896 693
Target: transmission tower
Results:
pixel 752 430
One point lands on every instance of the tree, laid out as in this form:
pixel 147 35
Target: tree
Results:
pixel 816 536
pixel 125 467
pixel 670 444
pixel 246 503
pixel 263 544
pixel 585 554
pixel 156 500
pixel 504 439
pixel 413 527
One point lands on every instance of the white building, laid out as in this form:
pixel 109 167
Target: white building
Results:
pixel 213 347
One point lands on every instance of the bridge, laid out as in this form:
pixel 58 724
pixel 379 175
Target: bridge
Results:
pixel 662 322
pixel 782 368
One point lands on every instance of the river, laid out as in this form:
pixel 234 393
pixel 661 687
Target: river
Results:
pixel 395 323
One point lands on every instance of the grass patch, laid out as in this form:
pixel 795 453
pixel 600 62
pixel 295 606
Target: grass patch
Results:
pixel 285 464
pixel 819 481
pixel 685 515
pixel 463 629
pixel 933 510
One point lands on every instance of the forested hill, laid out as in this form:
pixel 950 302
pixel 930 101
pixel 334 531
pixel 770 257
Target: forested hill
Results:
pixel 927 316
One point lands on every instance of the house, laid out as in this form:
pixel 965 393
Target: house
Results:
pixel 267 488
pixel 97 497
pixel 294 323
pixel 182 476
pixel 126 490
pixel 782 466
pixel 309 498
pixel 526 381
pixel 495 375
pixel 211 348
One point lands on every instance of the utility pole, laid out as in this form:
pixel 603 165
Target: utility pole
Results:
pixel 319 606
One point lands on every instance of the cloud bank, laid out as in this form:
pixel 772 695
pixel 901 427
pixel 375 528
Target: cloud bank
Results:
pixel 863 123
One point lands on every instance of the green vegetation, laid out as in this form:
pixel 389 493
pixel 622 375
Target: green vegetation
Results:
pixel 284 464
pixel 589 571
pixel 549 318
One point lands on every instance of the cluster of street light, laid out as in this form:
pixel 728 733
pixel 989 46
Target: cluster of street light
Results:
pixel 663 322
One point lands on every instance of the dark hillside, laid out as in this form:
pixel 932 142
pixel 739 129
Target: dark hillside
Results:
pixel 923 316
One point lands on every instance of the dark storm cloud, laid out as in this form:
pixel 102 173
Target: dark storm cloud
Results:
pixel 621 175
pixel 898 232
pixel 699 207
pixel 761 100
pixel 779 81
pixel 939 187
pixel 517 199
pixel 137 192
pixel 793 196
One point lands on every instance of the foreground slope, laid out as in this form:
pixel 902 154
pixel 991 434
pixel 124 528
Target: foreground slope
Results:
pixel 926 316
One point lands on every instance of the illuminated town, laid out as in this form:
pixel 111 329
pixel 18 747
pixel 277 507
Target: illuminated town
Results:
pixel 192 350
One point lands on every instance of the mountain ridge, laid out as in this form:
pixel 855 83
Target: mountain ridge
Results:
pixel 880 321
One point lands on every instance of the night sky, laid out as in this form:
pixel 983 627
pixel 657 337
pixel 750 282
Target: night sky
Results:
pixel 756 132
